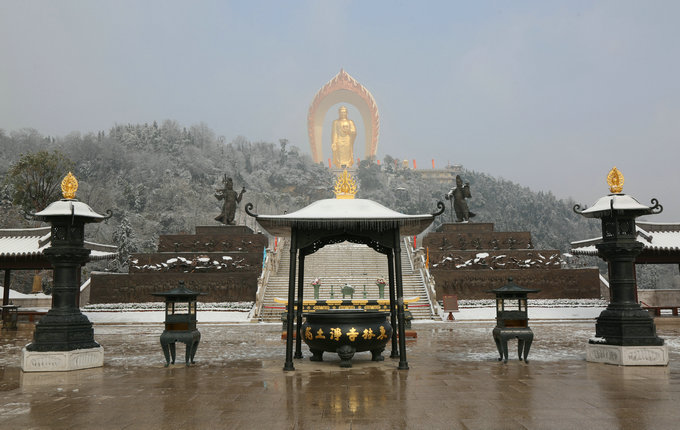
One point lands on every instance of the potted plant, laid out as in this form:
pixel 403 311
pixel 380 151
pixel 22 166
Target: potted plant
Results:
pixel 380 282
pixel 316 283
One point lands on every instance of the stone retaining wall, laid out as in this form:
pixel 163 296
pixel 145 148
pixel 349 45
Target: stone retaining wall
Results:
pixel 459 269
pixel 554 284
pixel 137 287
pixel 197 259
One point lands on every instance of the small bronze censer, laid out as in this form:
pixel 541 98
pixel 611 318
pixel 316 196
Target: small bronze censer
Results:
pixel 512 320
pixel 180 322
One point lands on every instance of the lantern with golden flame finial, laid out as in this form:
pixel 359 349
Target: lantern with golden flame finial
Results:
pixel 624 323
pixel 615 180
pixel 64 327
pixel 69 186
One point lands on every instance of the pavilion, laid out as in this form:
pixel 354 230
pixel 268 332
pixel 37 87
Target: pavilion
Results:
pixel 337 220
pixel 22 249
pixel 661 243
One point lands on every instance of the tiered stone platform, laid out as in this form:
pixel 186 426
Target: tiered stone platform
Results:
pixel 468 259
pixel 223 261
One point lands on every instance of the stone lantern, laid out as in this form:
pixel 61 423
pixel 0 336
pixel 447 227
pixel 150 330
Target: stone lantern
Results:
pixel 10 316
pixel 512 320
pixel 625 333
pixel 180 322
pixel 64 337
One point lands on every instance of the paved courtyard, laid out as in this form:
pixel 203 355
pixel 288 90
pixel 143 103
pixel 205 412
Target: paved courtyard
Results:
pixel 455 382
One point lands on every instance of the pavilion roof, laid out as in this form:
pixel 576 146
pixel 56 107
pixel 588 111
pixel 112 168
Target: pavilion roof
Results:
pixel 349 214
pixel 655 237
pixel 31 242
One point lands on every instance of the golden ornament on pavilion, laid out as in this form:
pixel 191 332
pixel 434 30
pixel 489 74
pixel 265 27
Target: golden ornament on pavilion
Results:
pixel 345 186
pixel 69 186
pixel 615 180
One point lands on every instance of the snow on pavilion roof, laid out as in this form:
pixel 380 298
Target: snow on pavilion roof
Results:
pixel 353 214
pixel 31 242
pixel 660 237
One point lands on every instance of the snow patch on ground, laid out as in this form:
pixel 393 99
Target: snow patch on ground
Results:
pixel 470 310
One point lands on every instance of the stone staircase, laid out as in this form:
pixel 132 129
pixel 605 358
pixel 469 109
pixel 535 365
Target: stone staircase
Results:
pixel 340 264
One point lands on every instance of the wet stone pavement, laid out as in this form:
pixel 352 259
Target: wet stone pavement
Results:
pixel 455 382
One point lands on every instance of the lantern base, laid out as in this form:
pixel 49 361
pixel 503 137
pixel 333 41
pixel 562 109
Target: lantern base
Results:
pixel 627 355
pixel 61 361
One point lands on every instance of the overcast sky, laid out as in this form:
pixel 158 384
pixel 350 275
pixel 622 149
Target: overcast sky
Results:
pixel 547 94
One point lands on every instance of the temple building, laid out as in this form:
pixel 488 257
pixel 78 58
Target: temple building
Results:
pixel 661 245
pixel 22 249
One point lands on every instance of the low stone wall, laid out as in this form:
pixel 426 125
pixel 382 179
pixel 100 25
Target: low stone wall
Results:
pixel 659 298
pixel 554 284
pixel 32 301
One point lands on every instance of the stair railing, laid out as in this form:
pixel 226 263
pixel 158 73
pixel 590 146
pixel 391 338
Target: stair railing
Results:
pixel 271 265
pixel 417 260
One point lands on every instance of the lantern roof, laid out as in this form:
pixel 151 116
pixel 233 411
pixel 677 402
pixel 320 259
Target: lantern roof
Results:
pixel 181 292
pixel 512 288
pixel 70 207
pixel 347 214
pixel 620 203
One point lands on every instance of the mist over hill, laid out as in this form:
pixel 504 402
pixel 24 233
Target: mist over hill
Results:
pixel 161 179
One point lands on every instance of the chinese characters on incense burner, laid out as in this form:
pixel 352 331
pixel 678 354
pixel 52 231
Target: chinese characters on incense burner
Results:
pixel 345 332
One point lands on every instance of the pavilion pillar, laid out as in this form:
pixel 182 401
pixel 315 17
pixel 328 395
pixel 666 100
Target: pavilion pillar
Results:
pixel 291 302
pixel 298 325
pixel 5 293
pixel 393 303
pixel 403 363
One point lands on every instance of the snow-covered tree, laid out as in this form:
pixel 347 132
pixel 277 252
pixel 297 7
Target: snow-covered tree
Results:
pixel 123 237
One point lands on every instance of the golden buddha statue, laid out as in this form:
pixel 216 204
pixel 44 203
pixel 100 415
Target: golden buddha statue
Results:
pixel 342 139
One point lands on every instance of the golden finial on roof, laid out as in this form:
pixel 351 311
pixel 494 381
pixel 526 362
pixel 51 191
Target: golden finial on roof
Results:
pixel 345 186
pixel 615 180
pixel 69 186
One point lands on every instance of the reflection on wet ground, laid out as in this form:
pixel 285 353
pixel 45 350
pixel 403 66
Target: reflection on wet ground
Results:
pixel 454 382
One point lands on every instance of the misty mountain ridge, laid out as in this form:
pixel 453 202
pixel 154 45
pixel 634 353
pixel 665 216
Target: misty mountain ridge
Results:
pixel 161 179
